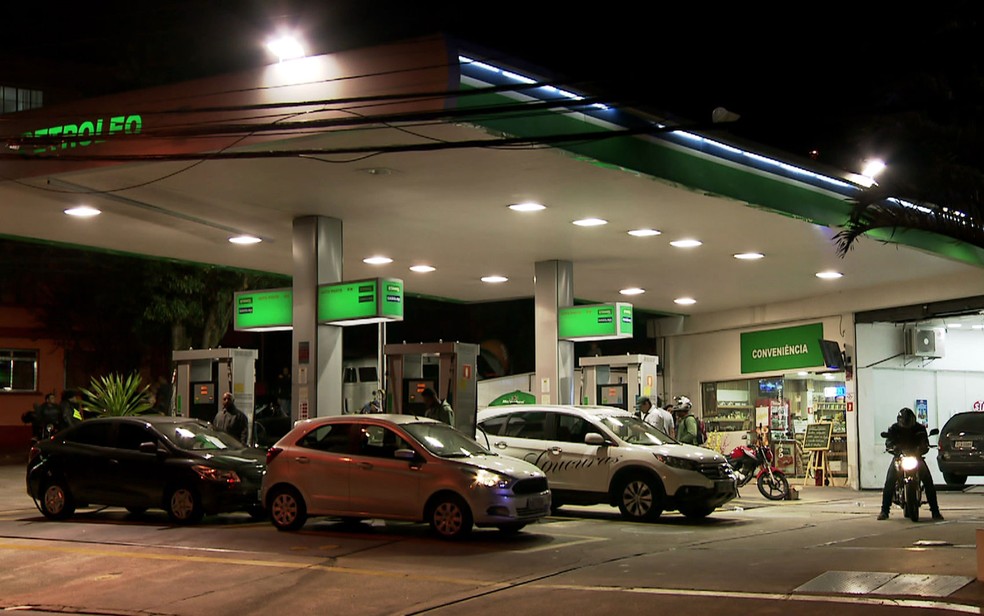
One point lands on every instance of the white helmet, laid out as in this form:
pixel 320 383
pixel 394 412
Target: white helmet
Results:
pixel 681 403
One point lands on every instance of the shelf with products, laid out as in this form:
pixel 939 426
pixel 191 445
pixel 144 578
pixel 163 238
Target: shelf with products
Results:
pixel 730 418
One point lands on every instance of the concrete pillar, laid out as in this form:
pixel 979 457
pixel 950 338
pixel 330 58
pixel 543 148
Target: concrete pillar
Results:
pixel 316 387
pixel 553 289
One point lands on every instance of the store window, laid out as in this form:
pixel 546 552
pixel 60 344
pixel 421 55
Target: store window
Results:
pixel 779 408
pixel 19 99
pixel 18 370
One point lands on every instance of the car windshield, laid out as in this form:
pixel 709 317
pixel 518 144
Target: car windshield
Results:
pixel 635 431
pixel 444 441
pixel 194 436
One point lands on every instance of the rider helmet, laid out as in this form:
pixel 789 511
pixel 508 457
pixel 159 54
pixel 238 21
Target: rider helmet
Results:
pixel 681 404
pixel 906 418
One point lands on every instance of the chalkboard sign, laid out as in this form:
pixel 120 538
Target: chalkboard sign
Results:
pixel 817 436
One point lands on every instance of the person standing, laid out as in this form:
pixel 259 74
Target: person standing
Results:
pixel 436 408
pixel 231 420
pixel 686 424
pixel 71 407
pixel 655 416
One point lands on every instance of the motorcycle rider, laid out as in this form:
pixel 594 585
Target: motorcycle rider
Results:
pixel 910 437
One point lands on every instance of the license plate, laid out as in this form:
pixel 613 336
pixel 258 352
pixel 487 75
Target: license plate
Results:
pixel 963 444
pixel 536 502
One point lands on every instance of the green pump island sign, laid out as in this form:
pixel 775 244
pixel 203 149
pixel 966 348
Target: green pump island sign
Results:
pixel 268 310
pixel 595 322
pixel 782 349
pixel 360 302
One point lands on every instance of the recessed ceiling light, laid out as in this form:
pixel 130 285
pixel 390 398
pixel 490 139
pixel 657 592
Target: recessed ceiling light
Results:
pixel 802 374
pixel 955 325
pixel 829 377
pixel 829 275
pixel 685 301
pixel 528 206
pixel 590 222
pixel 686 243
pixel 494 279
pixel 83 211
pixel 245 239
pixel 977 326
pixel 377 260
pixel 643 232
pixel 632 291
pixel 423 269
pixel 749 256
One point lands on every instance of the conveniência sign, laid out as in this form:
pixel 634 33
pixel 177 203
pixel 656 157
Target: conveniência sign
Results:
pixel 85 133
pixel 788 348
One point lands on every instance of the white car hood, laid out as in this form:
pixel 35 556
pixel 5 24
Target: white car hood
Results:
pixel 503 465
pixel 689 452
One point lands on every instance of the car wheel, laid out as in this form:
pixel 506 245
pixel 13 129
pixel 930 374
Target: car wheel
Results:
pixel 511 528
pixel 639 498
pixel 953 479
pixel 137 510
pixel 56 500
pixel 287 509
pixel 696 512
pixel 183 505
pixel 450 517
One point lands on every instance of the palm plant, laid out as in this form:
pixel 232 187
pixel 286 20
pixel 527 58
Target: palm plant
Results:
pixel 115 396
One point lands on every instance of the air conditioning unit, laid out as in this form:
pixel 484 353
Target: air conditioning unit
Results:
pixel 924 343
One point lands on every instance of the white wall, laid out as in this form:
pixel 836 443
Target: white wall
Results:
pixel 887 381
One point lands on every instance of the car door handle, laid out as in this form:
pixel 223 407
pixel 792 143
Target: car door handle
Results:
pixel 301 460
pixel 365 465
pixel 500 445
pixel 556 451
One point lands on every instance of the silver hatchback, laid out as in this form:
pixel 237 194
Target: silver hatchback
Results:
pixel 398 467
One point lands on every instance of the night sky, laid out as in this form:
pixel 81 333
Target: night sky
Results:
pixel 801 75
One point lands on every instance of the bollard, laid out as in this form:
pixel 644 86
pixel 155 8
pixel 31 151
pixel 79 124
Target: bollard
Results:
pixel 980 554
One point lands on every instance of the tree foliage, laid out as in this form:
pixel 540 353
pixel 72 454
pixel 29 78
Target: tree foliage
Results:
pixel 927 123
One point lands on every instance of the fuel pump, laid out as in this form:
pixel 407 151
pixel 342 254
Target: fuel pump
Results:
pixel 204 375
pixel 618 380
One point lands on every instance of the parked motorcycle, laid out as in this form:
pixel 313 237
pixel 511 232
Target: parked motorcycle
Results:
pixel 756 460
pixel 908 489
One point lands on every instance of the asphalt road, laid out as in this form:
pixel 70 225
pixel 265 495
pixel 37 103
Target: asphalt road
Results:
pixel 824 552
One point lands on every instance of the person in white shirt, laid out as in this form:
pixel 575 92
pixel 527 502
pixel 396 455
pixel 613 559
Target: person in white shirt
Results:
pixel 659 418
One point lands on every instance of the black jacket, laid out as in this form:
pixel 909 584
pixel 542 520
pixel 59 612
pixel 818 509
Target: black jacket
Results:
pixel 912 441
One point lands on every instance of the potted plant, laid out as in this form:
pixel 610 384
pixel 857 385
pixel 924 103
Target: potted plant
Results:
pixel 114 395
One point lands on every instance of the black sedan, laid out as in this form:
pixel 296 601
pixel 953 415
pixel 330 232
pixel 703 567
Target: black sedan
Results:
pixel 184 466
pixel 961 447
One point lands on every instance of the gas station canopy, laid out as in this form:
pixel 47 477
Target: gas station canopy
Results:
pixel 419 148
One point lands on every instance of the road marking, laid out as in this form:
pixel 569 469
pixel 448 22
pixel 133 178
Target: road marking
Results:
pixel 581 540
pixel 247 562
pixel 720 594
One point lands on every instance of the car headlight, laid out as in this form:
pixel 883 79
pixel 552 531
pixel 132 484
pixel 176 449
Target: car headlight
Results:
pixel 213 474
pixel 910 463
pixel 683 463
pixel 488 479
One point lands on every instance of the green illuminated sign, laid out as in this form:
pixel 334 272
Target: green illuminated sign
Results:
pixel 84 133
pixel 595 322
pixel 782 349
pixel 268 310
pixel 361 301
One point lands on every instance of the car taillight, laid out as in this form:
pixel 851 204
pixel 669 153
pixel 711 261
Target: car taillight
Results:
pixel 272 453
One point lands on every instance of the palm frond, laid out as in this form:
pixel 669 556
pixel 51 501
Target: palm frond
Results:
pixel 112 395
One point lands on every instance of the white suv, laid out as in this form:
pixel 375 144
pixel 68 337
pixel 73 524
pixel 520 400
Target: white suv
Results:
pixel 597 454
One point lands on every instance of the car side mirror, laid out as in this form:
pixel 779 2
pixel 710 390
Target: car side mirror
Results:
pixel 148 447
pixel 406 454
pixel 593 438
pixel 934 432
pixel 884 434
